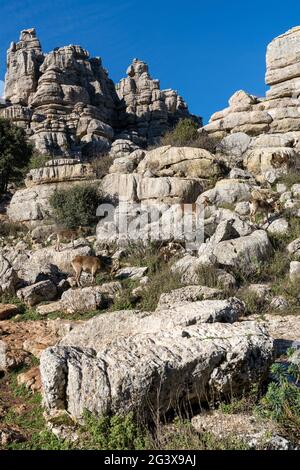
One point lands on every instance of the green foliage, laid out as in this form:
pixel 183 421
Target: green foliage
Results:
pixel 15 153
pixel 162 281
pixel 101 165
pixel 76 206
pixel 253 303
pixel 292 177
pixel 282 400
pixel 208 276
pixel 180 435
pixel 112 432
pixel 186 134
pixel 30 422
pixel 37 161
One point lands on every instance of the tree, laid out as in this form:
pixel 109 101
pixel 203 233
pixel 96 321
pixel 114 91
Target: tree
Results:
pixel 15 152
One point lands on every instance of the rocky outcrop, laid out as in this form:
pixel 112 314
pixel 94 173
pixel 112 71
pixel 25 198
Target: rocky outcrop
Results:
pixel 69 106
pixel 36 293
pixel 272 122
pixel 150 111
pixel 180 162
pixel 58 171
pixel 154 361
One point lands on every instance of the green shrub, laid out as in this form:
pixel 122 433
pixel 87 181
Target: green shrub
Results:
pixel 186 134
pixel 15 153
pixel 208 276
pixel 282 400
pixel 37 161
pixel 101 165
pixel 112 432
pixel 161 282
pixel 253 303
pixel 76 206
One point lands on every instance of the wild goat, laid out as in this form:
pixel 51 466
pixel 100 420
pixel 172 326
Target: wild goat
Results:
pixel 92 264
pixel 263 200
pixel 66 235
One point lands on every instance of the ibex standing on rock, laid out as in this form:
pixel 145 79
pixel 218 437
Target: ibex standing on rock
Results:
pixel 66 235
pixel 263 200
pixel 92 264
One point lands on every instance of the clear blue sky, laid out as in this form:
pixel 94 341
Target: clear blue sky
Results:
pixel 204 49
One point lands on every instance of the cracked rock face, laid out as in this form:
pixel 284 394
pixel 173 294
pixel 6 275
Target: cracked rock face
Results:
pixel 150 111
pixel 156 361
pixel 214 359
pixel 275 119
pixel 69 106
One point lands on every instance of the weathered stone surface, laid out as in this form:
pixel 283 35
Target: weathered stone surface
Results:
pixel 278 159
pixel 283 57
pixel 31 205
pixel 227 191
pixel 244 252
pixel 88 299
pixel 262 291
pixel 150 111
pixel 279 303
pixel 180 161
pixel 205 360
pixel 69 106
pixel 294 248
pixel 278 227
pixel 60 171
pixel 8 277
pixel 232 148
pixel 131 272
pixel 37 293
pixel 8 310
pixel 187 294
pixel 23 61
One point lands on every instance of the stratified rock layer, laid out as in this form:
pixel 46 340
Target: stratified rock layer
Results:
pixel 155 361
pixel 69 106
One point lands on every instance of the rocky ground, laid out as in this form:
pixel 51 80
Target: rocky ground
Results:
pixel 189 342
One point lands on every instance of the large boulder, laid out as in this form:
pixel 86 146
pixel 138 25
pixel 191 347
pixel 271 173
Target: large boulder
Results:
pixel 227 191
pixel 37 293
pixel 244 252
pixel 31 205
pixel 61 170
pixel 45 261
pixel 180 161
pixel 88 299
pixel 154 370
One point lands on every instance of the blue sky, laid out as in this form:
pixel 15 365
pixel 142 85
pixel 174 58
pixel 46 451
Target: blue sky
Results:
pixel 204 49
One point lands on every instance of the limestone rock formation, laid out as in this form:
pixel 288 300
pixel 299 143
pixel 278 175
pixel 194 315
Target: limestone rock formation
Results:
pixel 174 353
pixel 150 111
pixel 275 119
pixel 69 106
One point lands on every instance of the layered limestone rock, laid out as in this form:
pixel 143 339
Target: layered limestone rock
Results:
pixel 138 361
pixel 150 111
pixel 57 171
pixel 277 115
pixel 64 99
pixel 24 59
pixel 69 106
